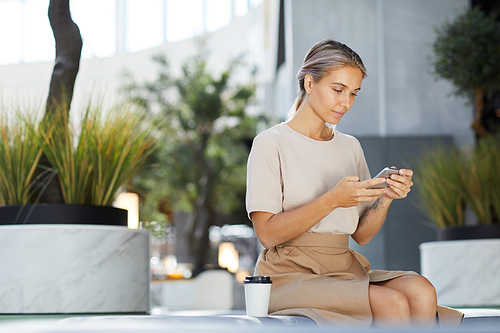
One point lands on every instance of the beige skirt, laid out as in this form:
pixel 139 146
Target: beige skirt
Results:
pixel 318 276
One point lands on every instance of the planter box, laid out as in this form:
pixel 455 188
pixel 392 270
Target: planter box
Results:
pixel 464 272
pixel 471 232
pixel 73 269
pixel 62 214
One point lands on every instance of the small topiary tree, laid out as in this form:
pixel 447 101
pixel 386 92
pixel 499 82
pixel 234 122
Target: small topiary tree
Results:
pixel 467 53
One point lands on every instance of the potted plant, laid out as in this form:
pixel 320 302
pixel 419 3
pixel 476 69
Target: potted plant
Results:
pixel 59 265
pixel 451 180
pixel 467 53
pixel 79 256
pixel 463 264
pixel 91 164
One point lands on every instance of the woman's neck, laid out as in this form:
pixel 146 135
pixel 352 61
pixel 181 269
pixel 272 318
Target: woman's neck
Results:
pixel 313 128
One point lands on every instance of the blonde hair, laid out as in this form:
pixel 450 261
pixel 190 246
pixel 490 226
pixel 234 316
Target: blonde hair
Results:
pixel 324 56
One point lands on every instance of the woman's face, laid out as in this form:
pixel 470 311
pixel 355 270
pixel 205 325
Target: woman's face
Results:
pixel 332 96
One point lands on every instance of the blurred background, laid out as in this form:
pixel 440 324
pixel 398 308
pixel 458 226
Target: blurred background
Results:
pixel 216 72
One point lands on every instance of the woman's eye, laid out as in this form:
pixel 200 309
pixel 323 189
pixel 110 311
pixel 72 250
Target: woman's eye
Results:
pixel 354 94
pixel 337 90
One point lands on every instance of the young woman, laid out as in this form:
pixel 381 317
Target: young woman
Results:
pixel 308 190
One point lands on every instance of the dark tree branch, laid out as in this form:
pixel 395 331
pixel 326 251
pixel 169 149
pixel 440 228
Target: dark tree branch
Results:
pixel 68 52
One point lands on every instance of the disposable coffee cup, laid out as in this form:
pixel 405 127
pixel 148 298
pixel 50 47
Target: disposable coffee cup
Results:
pixel 257 292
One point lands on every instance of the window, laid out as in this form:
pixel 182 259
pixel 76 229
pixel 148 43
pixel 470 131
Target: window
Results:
pixel 26 34
pixel 10 27
pixel 184 19
pixel 144 24
pixel 240 7
pixel 97 22
pixel 37 35
pixel 218 14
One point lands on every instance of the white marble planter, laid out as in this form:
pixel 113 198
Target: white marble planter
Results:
pixel 73 269
pixel 464 272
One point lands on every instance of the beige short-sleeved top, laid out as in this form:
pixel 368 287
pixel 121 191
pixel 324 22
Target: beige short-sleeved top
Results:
pixel 287 170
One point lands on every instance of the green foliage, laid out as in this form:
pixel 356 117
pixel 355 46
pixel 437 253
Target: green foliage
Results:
pixel 467 53
pixel 448 180
pixel 92 163
pixel 437 176
pixel 205 146
pixel 72 163
pixel 481 180
pixel 120 141
pixel 19 156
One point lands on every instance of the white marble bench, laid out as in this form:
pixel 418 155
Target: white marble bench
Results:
pixel 476 321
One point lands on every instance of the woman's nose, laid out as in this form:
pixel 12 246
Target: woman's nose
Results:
pixel 345 101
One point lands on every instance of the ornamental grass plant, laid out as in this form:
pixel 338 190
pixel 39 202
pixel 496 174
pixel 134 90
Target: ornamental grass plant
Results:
pixel 480 180
pixel 93 160
pixel 121 140
pixel 450 180
pixel 19 156
pixel 438 177
pixel 69 155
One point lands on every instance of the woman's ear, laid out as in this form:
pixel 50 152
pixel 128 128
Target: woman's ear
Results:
pixel 308 83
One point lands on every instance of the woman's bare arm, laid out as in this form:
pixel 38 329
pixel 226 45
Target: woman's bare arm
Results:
pixel 372 219
pixel 275 229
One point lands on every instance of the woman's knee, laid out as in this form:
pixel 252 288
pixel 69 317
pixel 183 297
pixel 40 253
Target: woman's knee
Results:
pixel 389 304
pixel 399 304
pixel 421 290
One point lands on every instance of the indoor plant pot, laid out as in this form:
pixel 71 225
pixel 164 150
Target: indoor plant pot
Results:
pixel 62 214
pixel 76 257
pixel 463 264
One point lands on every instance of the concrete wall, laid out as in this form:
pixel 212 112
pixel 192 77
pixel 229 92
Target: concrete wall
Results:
pixel 401 108
pixel 393 37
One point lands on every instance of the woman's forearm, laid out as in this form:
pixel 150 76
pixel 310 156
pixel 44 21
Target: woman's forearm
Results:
pixel 371 220
pixel 275 229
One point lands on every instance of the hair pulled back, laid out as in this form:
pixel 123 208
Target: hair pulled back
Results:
pixel 324 56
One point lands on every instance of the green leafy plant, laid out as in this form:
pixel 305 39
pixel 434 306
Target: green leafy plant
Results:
pixel 467 53
pixel 438 177
pixel 19 156
pixel 92 161
pixel 480 180
pixel 72 163
pixel 449 180
pixel 202 161
pixel 120 141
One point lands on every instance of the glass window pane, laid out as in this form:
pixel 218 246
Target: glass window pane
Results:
pixel 218 14
pixel 97 22
pixel 144 24
pixel 10 36
pixel 255 3
pixel 184 19
pixel 240 7
pixel 38 43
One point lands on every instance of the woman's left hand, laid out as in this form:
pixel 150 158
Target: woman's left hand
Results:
pixel 399 184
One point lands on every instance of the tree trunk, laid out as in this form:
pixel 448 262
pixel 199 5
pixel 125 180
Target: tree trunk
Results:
pixel 477 124
pixel 202 216
pixel 68 51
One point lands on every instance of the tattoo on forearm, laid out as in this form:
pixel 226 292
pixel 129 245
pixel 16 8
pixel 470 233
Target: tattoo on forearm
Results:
pixel 376 205
pixel 363 220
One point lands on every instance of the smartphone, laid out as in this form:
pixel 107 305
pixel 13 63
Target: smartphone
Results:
pixel 384 173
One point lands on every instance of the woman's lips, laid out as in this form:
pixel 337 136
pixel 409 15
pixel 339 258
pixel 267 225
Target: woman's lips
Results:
pixel 338 114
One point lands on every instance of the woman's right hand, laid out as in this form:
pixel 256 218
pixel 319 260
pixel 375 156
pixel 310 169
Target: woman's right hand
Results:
pixel 350 192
